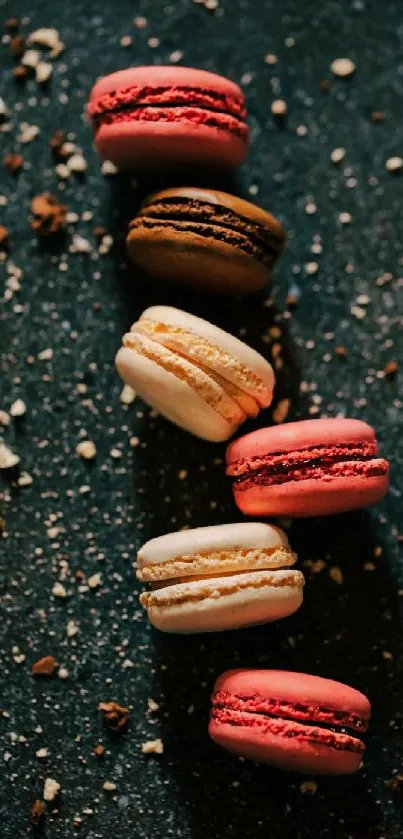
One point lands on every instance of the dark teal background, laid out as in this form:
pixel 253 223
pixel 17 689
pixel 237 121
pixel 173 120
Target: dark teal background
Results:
pixel 79 305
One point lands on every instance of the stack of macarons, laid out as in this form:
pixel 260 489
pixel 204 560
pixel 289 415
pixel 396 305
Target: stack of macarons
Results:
pixel 208 383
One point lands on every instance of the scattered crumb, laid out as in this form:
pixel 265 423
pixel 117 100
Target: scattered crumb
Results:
pixel 153 747
pixel 281 411
pixel 109 168
pixel 127 395
pixel 49 215
pixel 45 666
pixel 86 449
pixel 37 813
pixel 336 574
pixel 378 116
pixel 152 705
pixel 345 218
pixel 99 750
pixel 116 716
pixel 13 163
pixel 7 458
pixel 46 355
pixel 18 408
pixel 308 787
pixel 4 238
pixel 77 163
pixel 95 580
pixel 43 72
pixel 341 352
pixel 4 418
pixel 278 108
pixel 395 785
pixel 390 370
pixel 115 453
pixel 42 753
pixel 270 58
pixel 343 67
pixel 337 155
pixel 394 164
pixel 71 629
pixel 51 789
pixel 109 786
pixel 28 132
pixel 58 590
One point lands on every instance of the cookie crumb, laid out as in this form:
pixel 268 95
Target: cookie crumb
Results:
pixel 278 108
pixel 337 155
pixel 394 164
pixel 49 215
pixel 153 747
pixel 13 163
pixel 308 787
pixel 18 409
pixel 281 410
pixel 37 813
pixel 45 666
pixel 4 238
pixel 109 786
pixel 116 716
pixel 390 370
pixel 86 449
pixel 341 352
pixel 378 116
pixel 127 395
pixel 51 789
pixel 343 67
pixel 336 574
pixel 7 458
pixel 99 750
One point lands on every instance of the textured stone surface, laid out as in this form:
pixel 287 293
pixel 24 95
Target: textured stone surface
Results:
pixel 82 518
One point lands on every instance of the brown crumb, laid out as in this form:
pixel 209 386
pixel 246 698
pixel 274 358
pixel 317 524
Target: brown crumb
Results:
pixel 49 215
pixel 12 24
pixel 17 46
pixel 45 666
pixel 20 72
pixel 281 411
pixel 116 716
pixel 99 231
pixel 79 575
pixel 56 142
pixel 308 787
pixel 400 538
pixel 390 369
pixel 291 301
pixel 378 116
pixel 336 575
pixel 37 812
pixel 99 750
pixel 341 352
pixel 13 163
pixel 4 238
pixel 325 86
pixel 395 785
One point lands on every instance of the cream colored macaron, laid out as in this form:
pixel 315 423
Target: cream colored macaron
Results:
pixel 195 374
pixel 215 578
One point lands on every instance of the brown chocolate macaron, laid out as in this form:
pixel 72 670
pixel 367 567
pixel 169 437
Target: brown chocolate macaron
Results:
pixel 205 239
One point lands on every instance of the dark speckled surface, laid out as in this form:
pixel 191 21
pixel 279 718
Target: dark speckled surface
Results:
pixel 78 305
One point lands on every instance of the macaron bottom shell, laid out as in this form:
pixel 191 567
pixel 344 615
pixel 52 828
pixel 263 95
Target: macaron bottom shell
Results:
pixel 284 752
pixel 191 260
pixel 314 497
pixel 225 603
pixel 158 146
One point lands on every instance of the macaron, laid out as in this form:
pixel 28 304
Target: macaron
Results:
pixel 149 118
pixel 215 578
pixel 308 468
pixel 206 239
pixel 292 721
pixel 195 374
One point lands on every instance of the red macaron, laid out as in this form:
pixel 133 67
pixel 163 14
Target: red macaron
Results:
pixel 293 721
pixel 307 468
pixel 157 117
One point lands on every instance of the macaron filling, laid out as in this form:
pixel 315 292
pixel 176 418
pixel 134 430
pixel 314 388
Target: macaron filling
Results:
pixel 218 563
pixel 313 463
pixel 212 221
pixel 171 103
pixel 332 737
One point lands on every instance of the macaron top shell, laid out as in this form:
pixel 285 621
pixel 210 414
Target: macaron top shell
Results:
pixel 243 535
pixel 294 436
pixel 168 75
pixel 231 202
pixel 312 692
pixel 233 347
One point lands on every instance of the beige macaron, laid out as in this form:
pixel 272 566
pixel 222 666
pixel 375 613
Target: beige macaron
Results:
pixel 195 374
pixel 215 578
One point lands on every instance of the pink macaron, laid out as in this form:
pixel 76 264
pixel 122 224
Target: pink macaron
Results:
pixel 309 468
pixel 293 721
pixel 147 118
